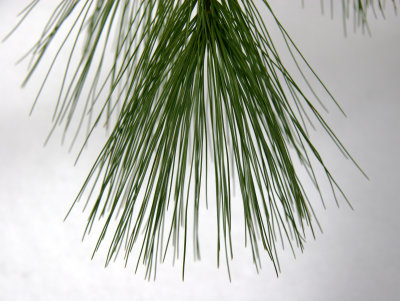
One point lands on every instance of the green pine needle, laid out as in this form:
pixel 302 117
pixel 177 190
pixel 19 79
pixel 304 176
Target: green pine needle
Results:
pixel 190 81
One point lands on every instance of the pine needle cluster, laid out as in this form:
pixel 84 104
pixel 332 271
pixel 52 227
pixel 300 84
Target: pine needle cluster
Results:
pixel 199 91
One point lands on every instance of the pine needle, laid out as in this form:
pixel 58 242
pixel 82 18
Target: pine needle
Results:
pixel 190 81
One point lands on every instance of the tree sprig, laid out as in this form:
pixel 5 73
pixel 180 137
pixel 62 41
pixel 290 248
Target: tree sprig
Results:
pixel 189 81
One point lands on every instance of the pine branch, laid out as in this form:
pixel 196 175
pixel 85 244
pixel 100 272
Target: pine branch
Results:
pixel 190 81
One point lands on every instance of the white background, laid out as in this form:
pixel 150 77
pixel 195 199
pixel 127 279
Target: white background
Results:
pixel 356 258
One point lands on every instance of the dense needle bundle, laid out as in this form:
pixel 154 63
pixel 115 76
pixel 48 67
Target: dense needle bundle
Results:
pixel 199 90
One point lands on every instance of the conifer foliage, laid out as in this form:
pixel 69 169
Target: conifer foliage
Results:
pixel 198 90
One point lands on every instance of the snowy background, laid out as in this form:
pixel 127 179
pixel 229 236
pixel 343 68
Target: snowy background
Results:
pixel 356 258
